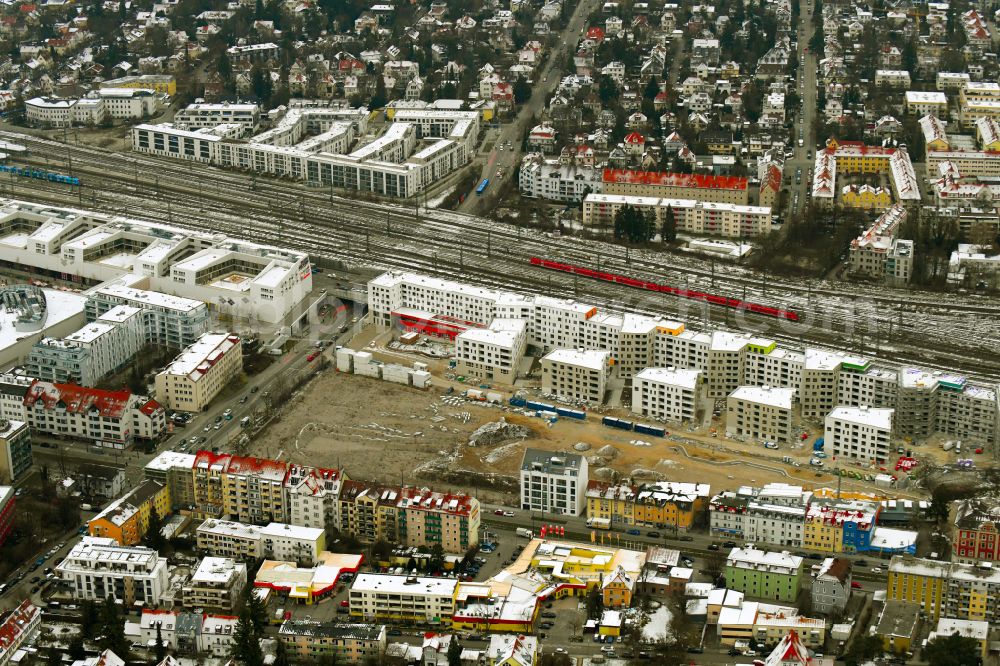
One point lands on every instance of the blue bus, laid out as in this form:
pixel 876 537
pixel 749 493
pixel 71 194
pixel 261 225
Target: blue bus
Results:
pixel 483 185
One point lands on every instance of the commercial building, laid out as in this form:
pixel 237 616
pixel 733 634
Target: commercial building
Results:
pixel 217 583
pixel 333 642
pixel 553 483
pixel 199 116
pixel 200 372
pixel 127 103
pixel 376 597
pixel 97 568
pixel 760 412
pixel 764 574
pixel 493 353
pixel 861 433
pixel 59 112
pixel 235 277
pixel 90 354
pixel 928 585
pixel 578 375
pixel 668 394
pixel 112 419
pixel 307 585
pixel 15 450
pixel 831 586
pixel 18 627
pixel 127 519
pixel 666 185
pixel 690 215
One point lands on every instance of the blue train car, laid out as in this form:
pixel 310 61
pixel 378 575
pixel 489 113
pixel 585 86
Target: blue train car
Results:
pixel 540 406
pixel 656 431
pixel 517 402
pixel 578 414
pixel 612 422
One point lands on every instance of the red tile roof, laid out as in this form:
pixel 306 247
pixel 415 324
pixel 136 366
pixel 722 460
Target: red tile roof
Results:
pixel 15 622
pixel 635 137
pixel 596 33
pixel 78 399
pixel 151 407
pixel 274 470
pixel 668 179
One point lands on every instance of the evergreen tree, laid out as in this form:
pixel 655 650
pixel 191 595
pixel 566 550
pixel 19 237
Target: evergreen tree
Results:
pixel 75 649
pixel 522 90
pixel 379 99
pixel 652 89
pixel 246 642
pixel 668 232
pixel 954 650
pixel 113 629
pixel 454 652
pixel 257 610
pixel 281 654
pixel 153 538
pixel 161 649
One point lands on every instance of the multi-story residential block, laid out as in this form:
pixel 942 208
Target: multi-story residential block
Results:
pixel 97 568
pixel 198 116
pixel 427 519
pixel 18 627
pixel 203 369
pixel 670 394
pixel 920 103
pixel 13 388
pixel 946 589
pixel 292 543
pixel 773 514
pixel 253 489
pixel 173 469
pixel 168 320
pixel 831 586
pixel 977 630
pixel 579 375
pixel 113 419
pixel 553 482
pixel 312 495
pixel 892 78
pixel 870 251
pixel 15 449
pixel 666 185
pixel 898 626
pixel 217 583
pixel 8 501
pixel 764 574
pixel 542 178
pixel 862 433
pixel 840 526
pixel 494 353
pixel 187 633
pixel 977 531
pixel 165 84
pixel 128 103
pixel 333 642
pixel 674 504
pixel 230 539
pixel 760 412
pixel 127 519
pixel 690 215
pixel 611 502
pixel 92 353
pixel 403 598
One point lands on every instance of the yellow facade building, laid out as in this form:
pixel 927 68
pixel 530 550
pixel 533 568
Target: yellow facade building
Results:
pixel 126 520
pixel 663 504
pixel 617 589
pixel 866 197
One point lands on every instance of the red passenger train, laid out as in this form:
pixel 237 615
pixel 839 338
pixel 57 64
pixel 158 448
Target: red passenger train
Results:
pixel 735 303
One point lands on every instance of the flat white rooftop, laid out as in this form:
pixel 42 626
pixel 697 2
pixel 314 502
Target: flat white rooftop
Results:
pixel 416 586
pixel 869 416
pixel 775 396
pixel 591 359
pixel 682 377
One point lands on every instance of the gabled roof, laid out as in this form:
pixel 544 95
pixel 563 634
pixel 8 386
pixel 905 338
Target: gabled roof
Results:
pixel 789 651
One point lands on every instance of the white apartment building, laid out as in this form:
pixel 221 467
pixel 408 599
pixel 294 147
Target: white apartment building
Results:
pixel 773 514
pixel 198 116
pixel 691 216
pixel 921 103
pixel 91 353
pixel 760 412
pixel 580 375
pixel 861 433
pixel 541 178
pixel 292 543
pixel 97 568
pixel 227 538
pixel 112 419
pixel 670 394
pixel 197 375
pixel 414 598
pixel 13 388
pixel 494 353
pixel 554 483
pixel 128 103
pixel 892 78
pixel 217 583
pixel 168 320
pixel 312 496
pixel 876 251
pixel 58 112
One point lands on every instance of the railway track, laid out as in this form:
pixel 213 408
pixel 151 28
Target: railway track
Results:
pixel 923 330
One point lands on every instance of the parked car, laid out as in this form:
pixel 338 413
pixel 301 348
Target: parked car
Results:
pixel 634 532
pixel 855 585
pixel 729 544
pixel 653 535
pixel 713 546
pixel 508 514
pixel 498 512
